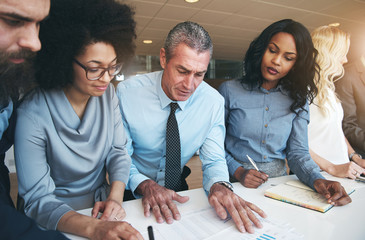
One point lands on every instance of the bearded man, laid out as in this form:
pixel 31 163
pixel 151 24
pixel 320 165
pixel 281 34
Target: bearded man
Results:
pixel 19 28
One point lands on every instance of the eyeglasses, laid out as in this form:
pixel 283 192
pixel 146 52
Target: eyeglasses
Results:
pixel 95 73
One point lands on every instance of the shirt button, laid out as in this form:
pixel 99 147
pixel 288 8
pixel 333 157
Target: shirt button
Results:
pixel 160 170
pixel 265 157
pixel 267 108
pixel 266 125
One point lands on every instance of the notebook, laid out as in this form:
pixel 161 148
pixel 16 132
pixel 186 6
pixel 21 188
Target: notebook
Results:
pixel 297 193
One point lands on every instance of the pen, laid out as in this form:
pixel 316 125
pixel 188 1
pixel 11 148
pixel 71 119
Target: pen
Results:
pixel 150 233
pixel 253 163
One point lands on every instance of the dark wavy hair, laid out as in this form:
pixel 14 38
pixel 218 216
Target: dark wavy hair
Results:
pixel 74 24
pixel 299 82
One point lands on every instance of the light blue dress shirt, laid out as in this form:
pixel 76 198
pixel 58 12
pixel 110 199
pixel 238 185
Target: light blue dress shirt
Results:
pixel 5 113
pixel 62 161
pixel 260 124
pixel 145 109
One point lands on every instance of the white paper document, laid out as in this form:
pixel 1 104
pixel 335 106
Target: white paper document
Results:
pixel 205 224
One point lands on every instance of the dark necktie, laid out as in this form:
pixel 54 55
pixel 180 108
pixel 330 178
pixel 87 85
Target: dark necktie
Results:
pixel 173 152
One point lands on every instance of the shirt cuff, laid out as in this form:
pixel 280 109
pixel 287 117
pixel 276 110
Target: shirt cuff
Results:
pixel 134 182
pixel 233 165
pixel 313 177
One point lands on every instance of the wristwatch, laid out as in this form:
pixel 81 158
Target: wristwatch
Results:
pixel 226 184
pixel 353 154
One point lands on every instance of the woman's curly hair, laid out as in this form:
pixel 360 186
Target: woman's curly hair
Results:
pixel 300 79
pixel 74 24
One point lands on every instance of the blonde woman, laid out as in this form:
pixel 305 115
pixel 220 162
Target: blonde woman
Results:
pixel 329 147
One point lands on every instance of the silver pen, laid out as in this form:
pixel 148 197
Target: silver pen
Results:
pixel 253 163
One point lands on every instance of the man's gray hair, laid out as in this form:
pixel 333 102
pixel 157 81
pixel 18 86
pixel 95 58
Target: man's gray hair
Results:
pixel 191 34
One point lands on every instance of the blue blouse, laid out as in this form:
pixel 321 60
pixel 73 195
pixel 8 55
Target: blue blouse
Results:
pixel 260 124
pixel 61 160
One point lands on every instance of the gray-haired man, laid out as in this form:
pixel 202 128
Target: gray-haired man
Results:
pixel 198 111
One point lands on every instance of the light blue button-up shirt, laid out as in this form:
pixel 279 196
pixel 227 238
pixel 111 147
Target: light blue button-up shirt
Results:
pixel 145 109
pixel 5 113
pixel 260 124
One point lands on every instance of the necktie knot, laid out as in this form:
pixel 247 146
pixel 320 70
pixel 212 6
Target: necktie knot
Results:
pixel 173 107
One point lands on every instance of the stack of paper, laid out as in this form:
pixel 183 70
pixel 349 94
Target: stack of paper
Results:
pixel 205 224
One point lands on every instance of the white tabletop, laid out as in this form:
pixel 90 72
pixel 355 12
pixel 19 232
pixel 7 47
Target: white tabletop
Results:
pixel 338 223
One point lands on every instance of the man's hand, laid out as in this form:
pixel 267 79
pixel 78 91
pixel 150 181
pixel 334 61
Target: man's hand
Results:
pixel 250 178
pixel 223 200
pixel 160 200
pixel 112 210
pixel 115 230
pixel 332 191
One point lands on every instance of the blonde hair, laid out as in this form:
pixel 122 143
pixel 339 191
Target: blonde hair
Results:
pixel 332 45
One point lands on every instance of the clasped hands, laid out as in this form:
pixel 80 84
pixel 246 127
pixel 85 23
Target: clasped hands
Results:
pixel 160 201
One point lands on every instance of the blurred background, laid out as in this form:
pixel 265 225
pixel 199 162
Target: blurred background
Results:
pixel 233 24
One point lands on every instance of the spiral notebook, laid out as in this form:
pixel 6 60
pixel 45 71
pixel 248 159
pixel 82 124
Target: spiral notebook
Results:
pixel 297 193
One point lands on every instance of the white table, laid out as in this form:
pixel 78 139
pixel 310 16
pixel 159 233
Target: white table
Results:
pixel 338 223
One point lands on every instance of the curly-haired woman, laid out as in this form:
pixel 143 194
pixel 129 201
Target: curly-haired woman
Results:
pixel 69 133
pixel 267 111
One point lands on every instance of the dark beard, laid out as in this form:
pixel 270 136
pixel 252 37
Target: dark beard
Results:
pixel 15 79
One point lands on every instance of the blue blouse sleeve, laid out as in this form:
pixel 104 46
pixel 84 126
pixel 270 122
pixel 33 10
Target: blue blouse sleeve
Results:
pixel 36 186
pixel 299 159
pixel 118 161
pixel 232 164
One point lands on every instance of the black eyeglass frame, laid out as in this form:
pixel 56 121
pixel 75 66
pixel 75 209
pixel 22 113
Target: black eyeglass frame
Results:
pixel 119 68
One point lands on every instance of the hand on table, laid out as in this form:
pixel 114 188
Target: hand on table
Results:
pixel 222 200
pixel 358 160
pixel 332 191
pixel 112 210
pixel 160 200
pixel 350 170
pixel 250 178
pixel 115 230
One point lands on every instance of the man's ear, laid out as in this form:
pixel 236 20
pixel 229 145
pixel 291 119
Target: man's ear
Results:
pixel 163 58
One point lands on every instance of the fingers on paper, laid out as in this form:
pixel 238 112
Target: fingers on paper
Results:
pixel 126 231
pixel 113 211
pixel 98 207
pixel 163 207
pixel 355 170
pixel 218 207
pixel 256 209
pixel 339 196
pixel 179 198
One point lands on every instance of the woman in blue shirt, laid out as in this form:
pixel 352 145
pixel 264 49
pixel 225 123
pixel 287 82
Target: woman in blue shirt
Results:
pixel 266 111
pixel 69 133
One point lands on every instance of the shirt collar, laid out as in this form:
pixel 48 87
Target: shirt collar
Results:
pixel 164 99
pixel 259 88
